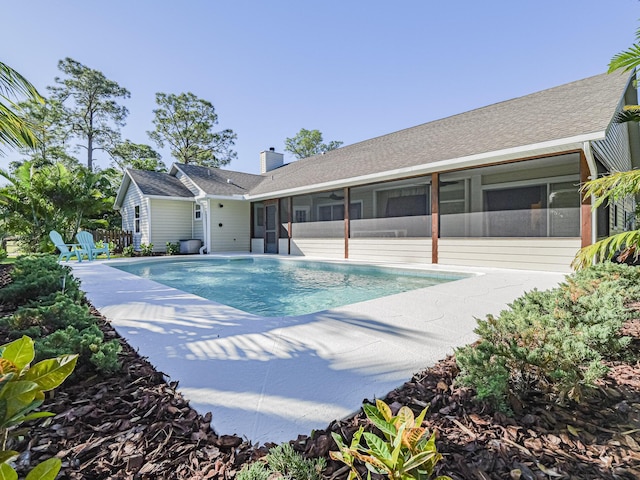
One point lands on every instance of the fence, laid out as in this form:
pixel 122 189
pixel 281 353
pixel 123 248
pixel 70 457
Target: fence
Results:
pixel 120 238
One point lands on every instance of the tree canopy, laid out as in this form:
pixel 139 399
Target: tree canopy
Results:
pixel 89 101
pixel 138 156
pixel 307 143
pixel 186 123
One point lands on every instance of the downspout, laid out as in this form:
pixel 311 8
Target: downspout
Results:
pixel 205 226
pixel 148 202
pixel 593 170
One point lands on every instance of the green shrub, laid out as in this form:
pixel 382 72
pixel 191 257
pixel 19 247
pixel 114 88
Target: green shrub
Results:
pixel 173 248
pixel 64 326
pixel 552 342
pixel 283 462
pixel 3 254
pixel 88 343
pixel 36 278
pixel 128 251
pixel 59 312
pixel 146 249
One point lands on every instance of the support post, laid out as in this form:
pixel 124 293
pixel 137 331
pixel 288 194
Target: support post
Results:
pixel 585 205
pixel 435 216
pixel 347 202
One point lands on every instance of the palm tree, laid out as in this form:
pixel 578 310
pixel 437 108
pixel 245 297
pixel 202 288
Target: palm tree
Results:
pixel 15 131
pixel 617 185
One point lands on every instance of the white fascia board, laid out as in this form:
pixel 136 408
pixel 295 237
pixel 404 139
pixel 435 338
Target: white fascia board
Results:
pixel 124 186
pixel 477 160
pixel 225 197
pixel 166 197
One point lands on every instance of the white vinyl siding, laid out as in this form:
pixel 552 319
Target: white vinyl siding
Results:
pixel 171 220
pixel 403 250
pixel 548 254
pixel 318 247
pixel 235 218
pixel 187 182
pixel 132 199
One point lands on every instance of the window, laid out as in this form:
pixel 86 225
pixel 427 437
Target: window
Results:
pixel 335 211
pixel 300 214
pixel 136 216
pixel 197 211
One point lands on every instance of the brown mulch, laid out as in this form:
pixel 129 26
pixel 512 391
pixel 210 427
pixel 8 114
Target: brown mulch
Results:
pixel 134 425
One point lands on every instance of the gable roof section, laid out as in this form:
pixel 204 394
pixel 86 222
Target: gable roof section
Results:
pixel 582 109
pixel 159 184
pixel 215 181
pixel 155 184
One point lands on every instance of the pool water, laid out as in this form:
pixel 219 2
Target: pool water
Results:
pixel 272 287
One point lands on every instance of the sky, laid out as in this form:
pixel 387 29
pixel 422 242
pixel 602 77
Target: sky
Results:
pixel 352 69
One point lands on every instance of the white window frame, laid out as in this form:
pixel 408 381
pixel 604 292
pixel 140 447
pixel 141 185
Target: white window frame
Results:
pixel 136 219
pixel 305 209
pixel 197 212
pixel 333 204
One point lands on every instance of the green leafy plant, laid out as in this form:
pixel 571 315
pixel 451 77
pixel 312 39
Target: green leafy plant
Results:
pixel 173 248
pixel 283 462
pixel 3 254
pixel 128 251
pixel 146 249
pixel 552 342
pixel 405 451
pixel 22 388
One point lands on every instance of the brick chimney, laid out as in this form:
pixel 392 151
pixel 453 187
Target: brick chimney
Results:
pixel 270 159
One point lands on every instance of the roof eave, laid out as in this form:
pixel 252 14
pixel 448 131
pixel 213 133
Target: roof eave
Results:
pixel 169 197
pixel 124 186
pixel 524 151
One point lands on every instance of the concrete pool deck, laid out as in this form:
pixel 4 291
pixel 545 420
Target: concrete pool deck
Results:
pixel 270 379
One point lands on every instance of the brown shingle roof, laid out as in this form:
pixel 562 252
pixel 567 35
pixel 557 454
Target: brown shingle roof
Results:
pixel 578 108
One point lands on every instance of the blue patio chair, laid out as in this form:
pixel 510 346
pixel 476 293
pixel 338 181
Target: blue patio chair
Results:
pixel 85 239
pixel 67 250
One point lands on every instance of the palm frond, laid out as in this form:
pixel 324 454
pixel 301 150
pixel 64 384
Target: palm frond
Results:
pixel 627 60
pixel 630 113
pixel 14 84
pixel 605 249
pixel 613 187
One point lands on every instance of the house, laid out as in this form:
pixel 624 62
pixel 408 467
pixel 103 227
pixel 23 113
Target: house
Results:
pixel 496 186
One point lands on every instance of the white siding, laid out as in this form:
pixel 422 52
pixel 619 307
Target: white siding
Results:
pixel 257 245
pixel 187 182
pixel 403 250
pixel 547 254
pixel 170 222
pixel 132 199
pixel 234 235
pixel 615 149
pixel 318 247
pixel 283 246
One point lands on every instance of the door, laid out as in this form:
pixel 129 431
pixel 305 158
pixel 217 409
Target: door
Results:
pixel 271 228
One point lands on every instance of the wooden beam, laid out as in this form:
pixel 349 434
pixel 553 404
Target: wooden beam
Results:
pixel 586 224
pixel 435 217
pixel 346 222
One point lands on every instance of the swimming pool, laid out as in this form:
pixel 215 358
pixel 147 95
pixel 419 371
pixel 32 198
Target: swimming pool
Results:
pixel 271 287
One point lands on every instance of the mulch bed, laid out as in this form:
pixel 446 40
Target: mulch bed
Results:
pixel 134 425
